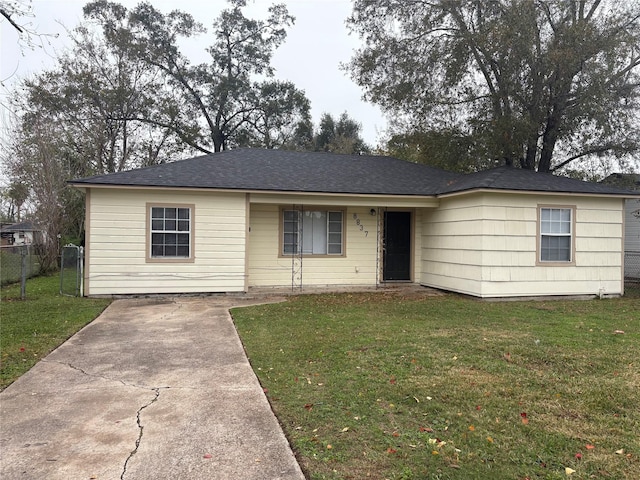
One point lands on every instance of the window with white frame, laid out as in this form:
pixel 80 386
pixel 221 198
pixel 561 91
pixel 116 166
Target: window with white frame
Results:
pixel 312 232
pixel 556 234
pixel 170 232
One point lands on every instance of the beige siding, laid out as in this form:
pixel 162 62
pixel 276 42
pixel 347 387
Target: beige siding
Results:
pixel 361 264
pixel 117 239
pixel 451 245
pixel 268 269
pixel 484 244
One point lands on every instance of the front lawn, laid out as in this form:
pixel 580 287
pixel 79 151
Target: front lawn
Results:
pixel 380 386
pixel 32 328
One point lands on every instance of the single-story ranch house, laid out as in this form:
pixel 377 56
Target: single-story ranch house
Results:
pixel 252 218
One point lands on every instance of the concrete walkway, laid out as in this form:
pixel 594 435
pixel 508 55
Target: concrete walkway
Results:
pixel 152 389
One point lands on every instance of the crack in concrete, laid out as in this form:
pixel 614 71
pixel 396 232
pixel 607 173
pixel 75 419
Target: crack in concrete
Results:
pixel 156 390
pixel 140 431
pixel 88 374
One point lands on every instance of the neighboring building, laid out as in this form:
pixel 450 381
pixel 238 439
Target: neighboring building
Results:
pixel 251 218
pixel 23 233
pixel 630 181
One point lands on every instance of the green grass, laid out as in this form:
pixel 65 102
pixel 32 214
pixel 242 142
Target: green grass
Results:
pixel 31 328
pixel 380 386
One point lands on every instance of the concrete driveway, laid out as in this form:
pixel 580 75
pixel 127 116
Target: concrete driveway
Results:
pixel 152 389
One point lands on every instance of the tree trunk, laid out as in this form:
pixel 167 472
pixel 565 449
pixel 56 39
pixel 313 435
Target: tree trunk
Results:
pixel 548 144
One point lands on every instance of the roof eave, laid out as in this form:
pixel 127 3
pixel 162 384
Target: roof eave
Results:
pixel 535 192
pixel 83 185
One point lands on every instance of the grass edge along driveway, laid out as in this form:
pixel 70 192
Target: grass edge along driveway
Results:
pixel 381 386
pixel 30 329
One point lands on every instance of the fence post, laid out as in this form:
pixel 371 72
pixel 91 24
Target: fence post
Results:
pixel 81 270
pixel 23 272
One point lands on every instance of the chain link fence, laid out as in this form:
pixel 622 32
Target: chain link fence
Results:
pixel 19 262
pixel 632 273
pixel 71 268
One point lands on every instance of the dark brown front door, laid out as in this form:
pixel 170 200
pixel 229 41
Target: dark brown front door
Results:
pixel 397 246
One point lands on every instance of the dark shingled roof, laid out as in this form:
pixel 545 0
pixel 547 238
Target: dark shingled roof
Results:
pixel 279 170
pixel 510 178
pixel 320 172
pixel 630 181
pixel 26 226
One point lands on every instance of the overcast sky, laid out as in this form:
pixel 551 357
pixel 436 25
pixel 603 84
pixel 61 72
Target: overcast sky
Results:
pixel 310 57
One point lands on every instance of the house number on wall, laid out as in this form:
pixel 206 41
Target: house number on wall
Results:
pixel 359 224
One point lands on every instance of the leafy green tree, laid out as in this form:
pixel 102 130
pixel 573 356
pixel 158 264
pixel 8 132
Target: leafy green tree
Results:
pixel 280 108
pixel 17 193
pixel 540 84
pixel 341 136
pixel 213 106
pixel 302 138
pixel 446 148
pixel 94 96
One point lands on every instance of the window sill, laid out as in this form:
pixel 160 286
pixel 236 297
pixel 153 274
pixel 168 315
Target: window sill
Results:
pixel 169 260
pixel 541 263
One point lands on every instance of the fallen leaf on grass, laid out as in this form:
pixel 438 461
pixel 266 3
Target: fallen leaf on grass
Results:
pixel 620 452
pixel 618 332
pixel 425 429
pixel 489 439
pixel 345 429
pixel 207 455
pixel 569 471
pixel 329 447
pixel 392 381
pixel 391 450
pixel 589 447
pixel 472 428
pixel 578 456
pixel 524 418
pixel 308 406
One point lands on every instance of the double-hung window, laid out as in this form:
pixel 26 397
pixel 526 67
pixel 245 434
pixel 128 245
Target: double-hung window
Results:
pixel 556 234
pixel 312 232
pixel 170 232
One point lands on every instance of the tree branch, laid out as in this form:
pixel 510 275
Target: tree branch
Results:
pixel 599 149
pixel 6 15
pixel 174 129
